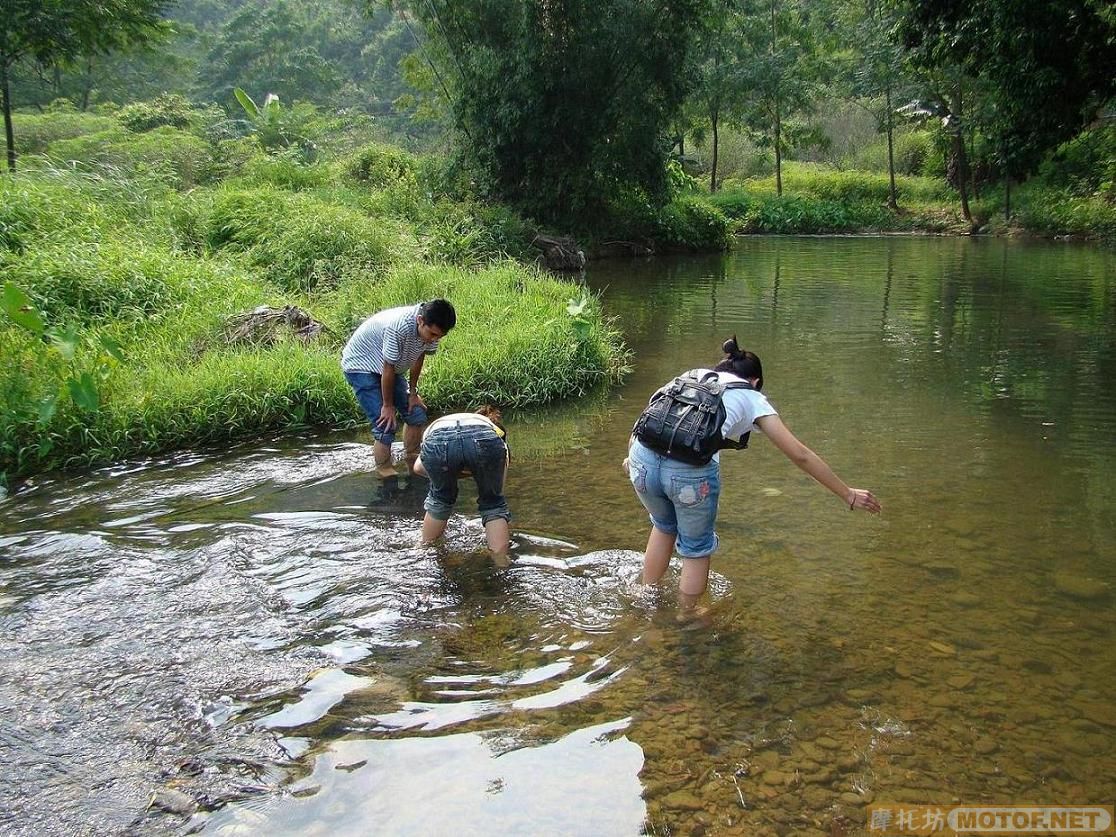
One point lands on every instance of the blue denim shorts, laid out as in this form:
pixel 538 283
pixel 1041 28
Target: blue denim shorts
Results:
pixel 680 498
pixel 447 451
pixel 369 393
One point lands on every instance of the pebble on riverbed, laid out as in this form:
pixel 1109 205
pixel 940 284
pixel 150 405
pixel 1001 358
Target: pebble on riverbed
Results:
pixel 173 802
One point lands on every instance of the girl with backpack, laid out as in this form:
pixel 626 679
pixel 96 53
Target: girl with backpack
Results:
pixel 675 470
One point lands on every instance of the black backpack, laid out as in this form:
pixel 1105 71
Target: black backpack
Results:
pixel 683 420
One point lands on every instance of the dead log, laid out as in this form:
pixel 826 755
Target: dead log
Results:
pixel 266 326
pixel 560 254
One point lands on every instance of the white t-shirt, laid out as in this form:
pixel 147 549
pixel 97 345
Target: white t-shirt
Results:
pixel 463 419
pixel 742 406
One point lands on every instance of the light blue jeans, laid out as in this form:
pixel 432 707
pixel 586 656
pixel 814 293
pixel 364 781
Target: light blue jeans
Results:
pixel 680 498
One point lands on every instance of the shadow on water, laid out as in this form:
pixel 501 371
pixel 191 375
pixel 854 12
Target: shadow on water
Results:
pixel 254 642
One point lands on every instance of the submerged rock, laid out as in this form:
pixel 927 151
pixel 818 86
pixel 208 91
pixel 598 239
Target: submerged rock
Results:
pixel 173 802
pixel 1080 587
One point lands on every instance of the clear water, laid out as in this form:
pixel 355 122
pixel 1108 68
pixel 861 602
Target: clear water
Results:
pixel 255 632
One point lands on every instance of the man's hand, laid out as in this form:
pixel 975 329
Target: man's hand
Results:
pixel 386 421
pixel 415 400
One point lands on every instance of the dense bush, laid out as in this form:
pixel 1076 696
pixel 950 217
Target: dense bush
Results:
pixel 765 213
pixel 381 165
pixel 170 109
pixel 913 152
pixel 1086 164
pixel 300 241
pixel 691 225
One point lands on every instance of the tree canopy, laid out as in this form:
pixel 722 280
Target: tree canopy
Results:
pixel 564 106
pixel 53 31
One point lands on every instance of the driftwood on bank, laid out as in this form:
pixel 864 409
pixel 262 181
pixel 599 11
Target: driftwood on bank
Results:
pixel 618 249
pixel 266 326
pixel 560 254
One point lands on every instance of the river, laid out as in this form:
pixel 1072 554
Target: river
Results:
pixel 251 642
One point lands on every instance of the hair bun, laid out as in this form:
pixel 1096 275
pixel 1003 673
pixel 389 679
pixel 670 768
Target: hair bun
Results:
pixel 730 347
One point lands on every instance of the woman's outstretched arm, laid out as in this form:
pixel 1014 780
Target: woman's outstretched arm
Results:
pixel 857 498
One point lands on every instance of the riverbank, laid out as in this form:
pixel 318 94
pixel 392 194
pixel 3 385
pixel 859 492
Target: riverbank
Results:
pixel 130 284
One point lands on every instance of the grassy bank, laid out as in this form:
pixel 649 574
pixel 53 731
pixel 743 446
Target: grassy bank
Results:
pixel 818 199
pixel 124 266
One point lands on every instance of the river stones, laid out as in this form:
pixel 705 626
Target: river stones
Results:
pixel 1080 587
pixel 173 802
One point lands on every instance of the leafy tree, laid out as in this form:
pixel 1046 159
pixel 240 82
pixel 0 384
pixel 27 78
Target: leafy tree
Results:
pixel 1048 66
pixel 875 70
pixel 723 54
pixel 50 32
pixel 782 74
pixel 564 106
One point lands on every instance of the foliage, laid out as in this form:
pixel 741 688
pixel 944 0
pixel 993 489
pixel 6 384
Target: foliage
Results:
pixel 381 165
pixel 1086 164
pixel 301 241
pixel 691 224
pixel 50 33
pixel 274 126
pixel 1047 66
pixel 564 105
pixel 170 109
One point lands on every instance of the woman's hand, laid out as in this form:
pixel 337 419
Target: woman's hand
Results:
pixel 862 498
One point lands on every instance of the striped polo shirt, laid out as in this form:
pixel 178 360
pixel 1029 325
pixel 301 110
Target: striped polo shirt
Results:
pixel 390 336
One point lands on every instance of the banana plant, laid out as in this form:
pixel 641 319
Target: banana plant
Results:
pixel 270 121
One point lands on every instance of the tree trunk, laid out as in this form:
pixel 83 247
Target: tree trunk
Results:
pixel 778 151
pixel 9 134
pixel 1007 199
pixel 716 147
pixel 892 195
pixel 957 141
pixel 778 119
pixel 87 84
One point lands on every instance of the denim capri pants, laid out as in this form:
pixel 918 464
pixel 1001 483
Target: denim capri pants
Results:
pixel 680 498
pixel 449 450
pixel 368 387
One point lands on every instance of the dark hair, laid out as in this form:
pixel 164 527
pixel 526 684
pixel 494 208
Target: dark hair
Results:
pixel 740 362
pixel 492 414
pixel 439 313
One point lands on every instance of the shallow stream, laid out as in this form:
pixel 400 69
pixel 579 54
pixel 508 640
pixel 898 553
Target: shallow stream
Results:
pixel 250 642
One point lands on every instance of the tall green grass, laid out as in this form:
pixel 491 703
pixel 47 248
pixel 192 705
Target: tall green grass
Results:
pixel 157 273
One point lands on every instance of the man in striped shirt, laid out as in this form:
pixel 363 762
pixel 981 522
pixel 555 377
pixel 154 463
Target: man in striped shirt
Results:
pixel 381 351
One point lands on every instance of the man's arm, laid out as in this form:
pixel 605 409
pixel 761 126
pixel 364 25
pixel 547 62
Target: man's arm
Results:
pixel 416 370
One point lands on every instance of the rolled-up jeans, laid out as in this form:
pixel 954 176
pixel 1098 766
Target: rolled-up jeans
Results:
pixel 680 498
pixel 368 387
pixel 447 451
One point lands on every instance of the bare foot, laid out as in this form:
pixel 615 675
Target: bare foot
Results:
pixel 694 618
pixel 386 471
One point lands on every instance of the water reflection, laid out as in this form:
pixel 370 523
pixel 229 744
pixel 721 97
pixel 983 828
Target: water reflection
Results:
pixel 259 630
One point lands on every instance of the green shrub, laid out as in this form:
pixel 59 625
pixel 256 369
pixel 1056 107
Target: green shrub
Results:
pixel 37 206
pixel 763 213
pixel 1085 164
pixel 1051 212
pixel 169 109
pixel 690 224
pixel 380 165
pixel 469 234
pixel 287 171
pixel 34 132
